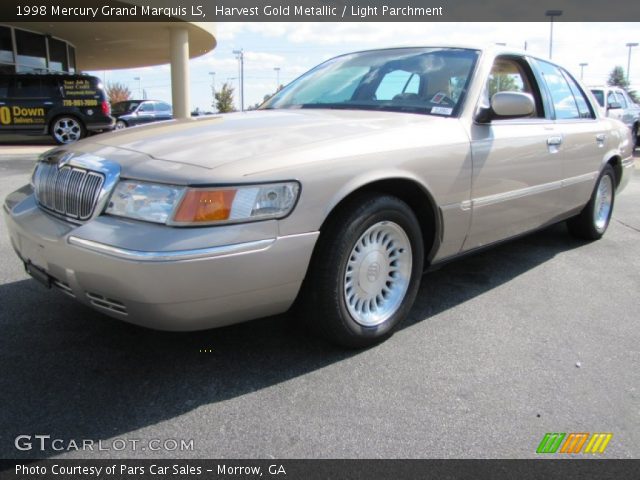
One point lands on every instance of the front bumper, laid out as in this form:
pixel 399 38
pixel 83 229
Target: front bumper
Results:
pixel 161 277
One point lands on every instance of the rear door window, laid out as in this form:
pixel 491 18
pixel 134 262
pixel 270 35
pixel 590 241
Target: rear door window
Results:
pixel 621 100
pixel 163 107
pixel 564 102
pixel 581 101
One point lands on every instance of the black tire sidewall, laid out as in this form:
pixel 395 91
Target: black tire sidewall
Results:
pixel 383 209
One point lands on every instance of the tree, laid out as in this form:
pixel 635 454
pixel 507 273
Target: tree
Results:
pixel 618 78
pixel 224 99
pixel 117 92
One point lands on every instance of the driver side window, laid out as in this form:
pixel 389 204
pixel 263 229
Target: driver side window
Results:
pixel 506 76
pixel 510 75
pixel 146 107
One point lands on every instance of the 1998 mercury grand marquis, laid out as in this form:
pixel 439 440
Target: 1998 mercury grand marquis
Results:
pixel 340 191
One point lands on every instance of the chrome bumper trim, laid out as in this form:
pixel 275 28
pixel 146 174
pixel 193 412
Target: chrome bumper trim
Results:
pixel 173 255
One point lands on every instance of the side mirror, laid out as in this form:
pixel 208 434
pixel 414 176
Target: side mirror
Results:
pixel 614 106
pixel 512 104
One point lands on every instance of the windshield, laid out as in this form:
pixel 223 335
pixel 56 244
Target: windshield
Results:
pixel 124 107
pixel 417 80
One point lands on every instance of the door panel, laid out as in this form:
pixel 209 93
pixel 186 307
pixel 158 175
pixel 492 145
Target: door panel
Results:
pixel 585 143
pixel 517 179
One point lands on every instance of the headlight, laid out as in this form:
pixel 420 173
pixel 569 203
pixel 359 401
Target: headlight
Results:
pixel 144 201
pixel 175 205
pixel 236 204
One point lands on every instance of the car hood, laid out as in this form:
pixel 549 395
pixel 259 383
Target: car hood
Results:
pixel 211 142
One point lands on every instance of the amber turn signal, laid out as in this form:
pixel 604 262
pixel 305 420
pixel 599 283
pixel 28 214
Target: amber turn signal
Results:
pixel 205 205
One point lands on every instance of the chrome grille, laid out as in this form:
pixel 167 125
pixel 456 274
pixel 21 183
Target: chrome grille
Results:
pixel 69 191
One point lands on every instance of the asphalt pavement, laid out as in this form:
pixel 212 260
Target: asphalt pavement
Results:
pixel 538 335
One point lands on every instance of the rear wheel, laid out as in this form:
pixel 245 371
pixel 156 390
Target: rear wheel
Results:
pixel 67 129
pixel 366 271
pixel 594 219
pixel 636 139
pixel 121 124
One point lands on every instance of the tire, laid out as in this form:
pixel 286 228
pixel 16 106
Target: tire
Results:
pixel 636 137
pixel 121 125
pixel 67 129
pixel 365 271
pixel 593 220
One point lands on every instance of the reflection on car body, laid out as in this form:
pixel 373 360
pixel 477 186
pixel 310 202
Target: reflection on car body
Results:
pixel 65 106
pixel 140 112
pixel 339 192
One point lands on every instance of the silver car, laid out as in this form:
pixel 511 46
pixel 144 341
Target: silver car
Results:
pixel 620 106
pixel 337 194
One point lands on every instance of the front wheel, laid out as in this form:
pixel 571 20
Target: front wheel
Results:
pixel 65 130
pixel 366 271
pixel 121 125
pixel 594 219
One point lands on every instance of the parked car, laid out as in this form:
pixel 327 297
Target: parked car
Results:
pixel 66 107
pixel 140 112
pixel 339 193
pixel 619 106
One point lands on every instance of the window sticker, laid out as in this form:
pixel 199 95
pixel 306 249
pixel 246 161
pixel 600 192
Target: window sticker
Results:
pixel 442 110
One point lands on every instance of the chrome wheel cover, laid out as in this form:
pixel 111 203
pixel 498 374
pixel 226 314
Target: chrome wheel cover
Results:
pixel 378 273
pixel 603 203
pixel 67 130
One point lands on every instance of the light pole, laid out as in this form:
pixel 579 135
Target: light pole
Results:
pixel 213 89
pixel 139 79
pixel 630 45
pixel 551 14
pixel 240 56
pixel 213 81
pixel 277 70
pixel 582 65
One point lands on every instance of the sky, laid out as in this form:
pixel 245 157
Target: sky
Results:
pixel 297 47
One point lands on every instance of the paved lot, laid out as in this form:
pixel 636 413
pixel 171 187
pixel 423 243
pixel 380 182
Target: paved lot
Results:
pixel 487 363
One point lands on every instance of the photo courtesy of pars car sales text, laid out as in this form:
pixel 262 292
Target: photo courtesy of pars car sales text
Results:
pixel 319 239
pixel 123 469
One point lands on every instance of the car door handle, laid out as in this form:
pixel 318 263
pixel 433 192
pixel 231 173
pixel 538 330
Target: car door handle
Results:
pixel 554 141
pixel 601 137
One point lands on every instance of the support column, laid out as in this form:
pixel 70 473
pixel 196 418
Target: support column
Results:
pixel 180 93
